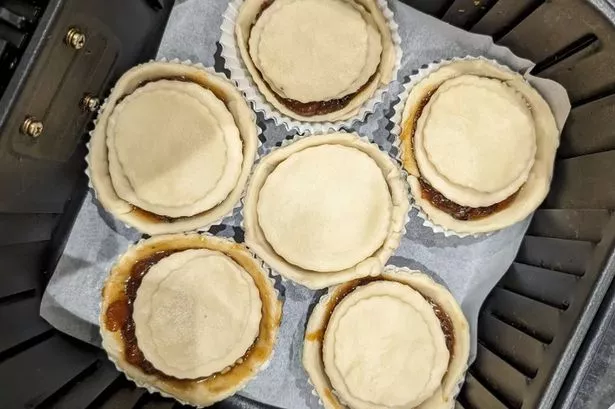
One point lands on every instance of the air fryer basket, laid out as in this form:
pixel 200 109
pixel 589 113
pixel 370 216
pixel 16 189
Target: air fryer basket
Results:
pixel 532 324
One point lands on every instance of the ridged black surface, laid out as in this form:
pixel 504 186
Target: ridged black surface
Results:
pixel 527 321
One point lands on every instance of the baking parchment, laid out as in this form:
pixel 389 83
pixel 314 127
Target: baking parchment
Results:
pixel 470 267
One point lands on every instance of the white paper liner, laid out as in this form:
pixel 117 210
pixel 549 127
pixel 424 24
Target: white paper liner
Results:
pixel 390 270
pixel 243 78
pixel 296 138
pixel 152 389
pixel 397 119
pixel 102 108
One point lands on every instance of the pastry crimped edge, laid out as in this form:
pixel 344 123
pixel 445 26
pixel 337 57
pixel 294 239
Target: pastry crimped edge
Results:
pixel 234 160
pixel 199 395
pixel 255 238
pixel 98 163
pixel 537 185
pixel 384 74
pixel 444 398
pixel 461 192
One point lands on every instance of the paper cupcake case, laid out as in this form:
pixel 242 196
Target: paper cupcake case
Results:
pixel 153 390
pixel 243 78
pixel 390 270
pixel 393 270
pixel 397 118
pixel 289 141
pixel 259 149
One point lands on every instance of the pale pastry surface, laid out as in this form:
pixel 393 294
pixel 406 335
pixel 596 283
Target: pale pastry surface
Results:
pixel 196 313
pixel 103 162
pixel 248 15
pixel 174 149
pixel 315 50
pixel 475 141
pixel 323 219
pixel 378 335
pixel 532 193
pixel 325 208
pixel 199 392
pixel 320 321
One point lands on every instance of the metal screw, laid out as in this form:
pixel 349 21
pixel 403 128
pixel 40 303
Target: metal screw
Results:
pixel 90 103
pixel 32 127
pixel 75 38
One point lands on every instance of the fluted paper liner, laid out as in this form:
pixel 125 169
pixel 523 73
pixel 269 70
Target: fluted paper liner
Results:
pixel 276 306
pixel 398 119
pixel 396 236
pixel 240 74
pixel 195 226
pixel 312 358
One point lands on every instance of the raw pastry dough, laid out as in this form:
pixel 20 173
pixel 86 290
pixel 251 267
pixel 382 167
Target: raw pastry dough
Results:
pixel 191 162
pixel 378 335
pixel 326 208
pixel 311 220
pixel 475 141
pixel 535 185
pixel 196 313
pixel 373 51
pixel 330 49
pixel 205 272
pixel 105 169
pixel 341 322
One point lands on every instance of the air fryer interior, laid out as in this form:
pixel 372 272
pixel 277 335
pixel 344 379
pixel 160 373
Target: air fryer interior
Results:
pixel 531 325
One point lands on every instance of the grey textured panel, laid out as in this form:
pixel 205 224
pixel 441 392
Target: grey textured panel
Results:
pixel 594 190
pixel 590 129
pixel 20 267
pixel 126 396
pixel 518 348
pixel 534 318
pixel 20 322
pixel 47 367
pixel 504 380
pixel 568 256
pixel 42 186
pixel 561 22
pixel 583 88
pixel 157 403
pixel 86 390
pixel 590 385
pixel 545 286
pixel 570 224
pixel 26 228
pixel 503 16
pixel 475 395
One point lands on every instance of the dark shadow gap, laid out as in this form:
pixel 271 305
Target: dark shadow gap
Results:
pixel 518 366
pixel 50 401
pixel 25 345
pixel 479 379
pixel 524 329
pixel 23 295
pixel 575 47
pixel 559 306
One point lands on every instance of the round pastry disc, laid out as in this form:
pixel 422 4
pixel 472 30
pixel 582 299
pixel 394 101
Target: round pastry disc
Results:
pixel 329 48
pixel 325 208
pixel 196 313
pixel 476 140
pixel 174 149
pixel 384 347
